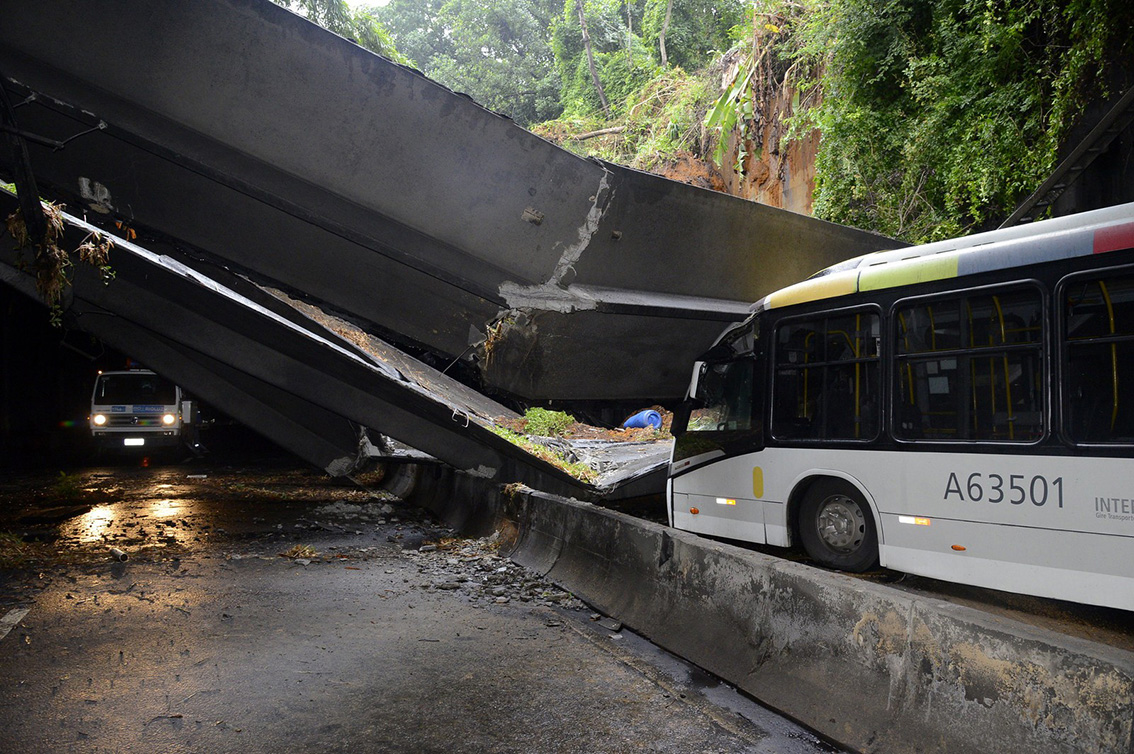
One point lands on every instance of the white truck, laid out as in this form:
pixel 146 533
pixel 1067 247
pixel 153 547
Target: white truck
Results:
pixel 139 409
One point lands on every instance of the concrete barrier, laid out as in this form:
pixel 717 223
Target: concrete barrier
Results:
pixel 872 667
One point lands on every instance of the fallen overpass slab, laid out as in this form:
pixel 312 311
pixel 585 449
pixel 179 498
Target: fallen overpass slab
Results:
pixel 430 215
pixel 281 373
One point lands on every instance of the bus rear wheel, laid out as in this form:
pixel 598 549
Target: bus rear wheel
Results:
pixel 836 527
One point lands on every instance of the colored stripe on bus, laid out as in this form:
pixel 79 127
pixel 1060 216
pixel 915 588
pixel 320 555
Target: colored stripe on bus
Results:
pixel 1024 252
pixel 937 267
pixel 1019 252
pixel 1114 238
pixel 828 286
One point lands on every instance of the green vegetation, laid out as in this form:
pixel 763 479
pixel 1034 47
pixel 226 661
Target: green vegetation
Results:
pixel 52 264
pixel 528 58
pixel 544 423
pixel 499 52
pixel 67 488
pixel 575 469
pixel 339 17
pixel 936 116
pixel 939 116
pixel 661 120
pixel 14 551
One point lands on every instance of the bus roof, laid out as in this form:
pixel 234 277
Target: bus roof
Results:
pixel 1086 233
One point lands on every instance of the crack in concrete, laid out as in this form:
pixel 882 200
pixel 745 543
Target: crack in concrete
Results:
pixel 554 295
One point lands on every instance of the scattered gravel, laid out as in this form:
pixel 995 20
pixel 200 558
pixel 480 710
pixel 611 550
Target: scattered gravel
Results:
pixel 475 569
pixel 470 568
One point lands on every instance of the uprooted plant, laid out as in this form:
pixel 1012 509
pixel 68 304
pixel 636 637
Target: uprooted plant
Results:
pixel 51 263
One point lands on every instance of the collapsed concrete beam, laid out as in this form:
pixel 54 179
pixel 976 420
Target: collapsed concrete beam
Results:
pixel 293 381
pixel 246 132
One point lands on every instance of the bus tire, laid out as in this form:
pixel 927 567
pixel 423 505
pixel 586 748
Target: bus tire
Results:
pixel 837 528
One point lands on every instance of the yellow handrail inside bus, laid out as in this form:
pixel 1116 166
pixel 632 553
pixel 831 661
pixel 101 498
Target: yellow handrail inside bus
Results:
pixel 856 350
pixel 1113 356
pixel 908 365
pixel 1007 376
pixel 806 374
pixel 972 371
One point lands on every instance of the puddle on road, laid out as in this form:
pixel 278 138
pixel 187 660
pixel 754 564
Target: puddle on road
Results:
pixel 164 508
pixel 142 524
pixel 177 510
pixel 92 526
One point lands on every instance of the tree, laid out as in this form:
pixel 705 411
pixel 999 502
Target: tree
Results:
pixel 359 27
pixel 663 31
pixel 688 33
pixel 938 116
pixel 496 51
pixel 418 29
pixel 591 58
pixel 622 62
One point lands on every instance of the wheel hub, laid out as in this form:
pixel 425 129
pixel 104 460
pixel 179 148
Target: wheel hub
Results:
pixel 842 524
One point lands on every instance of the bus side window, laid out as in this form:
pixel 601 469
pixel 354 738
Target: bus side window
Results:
pixel 968 368
pixel 826 378
pixel 1098 333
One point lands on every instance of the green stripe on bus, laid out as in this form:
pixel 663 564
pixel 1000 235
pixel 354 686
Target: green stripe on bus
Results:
pixel 908 273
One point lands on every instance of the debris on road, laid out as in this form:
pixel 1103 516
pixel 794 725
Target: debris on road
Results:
pixel 301 552
pixel 12 619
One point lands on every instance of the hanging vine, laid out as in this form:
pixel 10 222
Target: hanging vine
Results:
pixel 51 264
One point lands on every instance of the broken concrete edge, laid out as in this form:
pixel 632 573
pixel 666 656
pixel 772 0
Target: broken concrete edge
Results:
pixel 872 667
pixel 480 446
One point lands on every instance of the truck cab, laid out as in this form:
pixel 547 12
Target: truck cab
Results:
pixel 138 409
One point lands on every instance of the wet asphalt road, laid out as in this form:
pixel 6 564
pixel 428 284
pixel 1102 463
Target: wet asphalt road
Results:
pixel 271 609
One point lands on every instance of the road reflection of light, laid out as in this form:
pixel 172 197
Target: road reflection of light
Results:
pixel 92 525
pixel 163 508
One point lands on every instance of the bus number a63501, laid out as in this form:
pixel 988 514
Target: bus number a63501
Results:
pixel 1014 489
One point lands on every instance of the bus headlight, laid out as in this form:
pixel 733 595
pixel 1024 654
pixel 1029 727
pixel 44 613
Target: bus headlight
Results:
pixel 168 419
pixel 99 419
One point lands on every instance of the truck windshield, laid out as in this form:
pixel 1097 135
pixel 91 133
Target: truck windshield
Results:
pixel 140 388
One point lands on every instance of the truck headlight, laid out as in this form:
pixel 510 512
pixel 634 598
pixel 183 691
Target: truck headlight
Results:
pixel 168 419
pixel 99 419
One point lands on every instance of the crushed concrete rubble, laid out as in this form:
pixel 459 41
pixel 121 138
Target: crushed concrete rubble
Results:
pixel 474 568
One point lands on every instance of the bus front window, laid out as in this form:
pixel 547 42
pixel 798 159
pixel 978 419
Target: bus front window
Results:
pixel 724 416
pixel 724 394
pixel 724 412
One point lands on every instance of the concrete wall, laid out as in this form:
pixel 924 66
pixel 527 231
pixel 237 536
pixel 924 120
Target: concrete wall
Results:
pixel 874 668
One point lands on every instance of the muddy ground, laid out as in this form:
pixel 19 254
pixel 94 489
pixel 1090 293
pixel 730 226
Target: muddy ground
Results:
pixel 267 607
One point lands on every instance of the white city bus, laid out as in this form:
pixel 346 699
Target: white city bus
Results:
pixel 962 410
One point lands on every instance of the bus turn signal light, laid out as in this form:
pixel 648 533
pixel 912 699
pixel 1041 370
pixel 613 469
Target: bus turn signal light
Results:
pixel 959 548
pixel 694 511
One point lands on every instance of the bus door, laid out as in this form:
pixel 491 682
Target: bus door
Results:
pixel 712 487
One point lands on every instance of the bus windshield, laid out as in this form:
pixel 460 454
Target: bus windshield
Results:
pixel 134 388
pixel 724 412
pixel 725 397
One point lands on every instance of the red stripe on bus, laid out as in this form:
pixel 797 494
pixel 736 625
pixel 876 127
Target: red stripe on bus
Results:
pixel 1114 238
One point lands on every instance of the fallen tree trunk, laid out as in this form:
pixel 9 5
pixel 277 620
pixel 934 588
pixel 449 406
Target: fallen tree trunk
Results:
pixel 600 132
